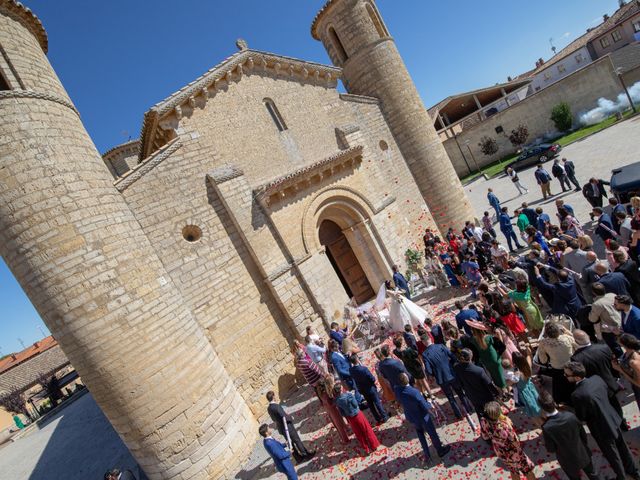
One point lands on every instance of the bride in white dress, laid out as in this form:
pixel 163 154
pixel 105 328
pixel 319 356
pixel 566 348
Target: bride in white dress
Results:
pixel 402 311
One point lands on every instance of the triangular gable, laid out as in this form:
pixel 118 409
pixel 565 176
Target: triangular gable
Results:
pixel 245 61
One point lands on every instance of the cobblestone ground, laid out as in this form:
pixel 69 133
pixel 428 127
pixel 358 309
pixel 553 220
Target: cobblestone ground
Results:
pixel 400 454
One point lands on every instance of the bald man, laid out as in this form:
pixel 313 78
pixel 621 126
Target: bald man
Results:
pixel 589 276
pixel 614 282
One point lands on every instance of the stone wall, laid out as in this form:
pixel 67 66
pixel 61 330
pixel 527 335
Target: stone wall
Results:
pixel 251 280
pixel 581 90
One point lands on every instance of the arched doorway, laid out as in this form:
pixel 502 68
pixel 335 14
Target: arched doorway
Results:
pixel 345 262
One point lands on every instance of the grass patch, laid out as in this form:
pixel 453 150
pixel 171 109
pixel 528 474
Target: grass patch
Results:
pixel 496 168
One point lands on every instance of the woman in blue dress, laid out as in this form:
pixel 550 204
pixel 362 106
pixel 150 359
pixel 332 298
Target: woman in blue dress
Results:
pixel 527 392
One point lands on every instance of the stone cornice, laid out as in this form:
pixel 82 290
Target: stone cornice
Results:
pixel 141 169
pixel 350 97
pixel 123 146
pixel 25 16
pixel 230 69
pixel 224 174
pixel 38 95
pixel 299 179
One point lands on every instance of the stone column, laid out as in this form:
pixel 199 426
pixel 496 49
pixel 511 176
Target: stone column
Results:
pixel 86 265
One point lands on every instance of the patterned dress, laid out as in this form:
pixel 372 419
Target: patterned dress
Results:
pixel 506 444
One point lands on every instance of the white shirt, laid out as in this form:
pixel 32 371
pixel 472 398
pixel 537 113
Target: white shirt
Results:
pixel 499 251
pixel 477 234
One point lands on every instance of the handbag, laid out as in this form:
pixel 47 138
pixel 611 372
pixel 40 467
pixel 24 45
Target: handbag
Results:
pixel 515 178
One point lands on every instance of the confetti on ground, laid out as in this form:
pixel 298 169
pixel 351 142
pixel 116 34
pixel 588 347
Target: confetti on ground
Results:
pixel 400 455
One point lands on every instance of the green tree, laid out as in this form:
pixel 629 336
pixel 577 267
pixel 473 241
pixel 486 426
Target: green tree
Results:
pixel 488 146
pixel 561 116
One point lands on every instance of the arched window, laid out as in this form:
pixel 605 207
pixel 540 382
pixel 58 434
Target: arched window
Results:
pixel 377 21
pixel 4 85
pixel 275 114
pixel 337 44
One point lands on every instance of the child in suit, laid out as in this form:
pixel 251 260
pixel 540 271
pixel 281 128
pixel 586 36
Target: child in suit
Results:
pixel 279 453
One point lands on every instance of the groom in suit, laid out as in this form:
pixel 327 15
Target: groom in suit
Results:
pixel 280 455
pixel 591 402
pixel 400 281
pixel 284 424
pixel 565 436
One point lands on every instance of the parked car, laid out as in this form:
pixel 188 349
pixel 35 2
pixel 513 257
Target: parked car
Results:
pixel 625 182
pixel 534 155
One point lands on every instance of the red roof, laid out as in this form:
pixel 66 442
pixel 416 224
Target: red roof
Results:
pixel 14 359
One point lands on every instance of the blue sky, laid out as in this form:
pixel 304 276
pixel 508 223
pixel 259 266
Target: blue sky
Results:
pixel 118 58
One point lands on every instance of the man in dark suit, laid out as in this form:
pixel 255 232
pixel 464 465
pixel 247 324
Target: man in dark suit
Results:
pixel 278 452
pixel 438 363
pixel 565 436
pixel 341 366
pixel 417 411
pixel 530 213
pixel 597 361
pixel 366 383
pixel 284 424
pixel 594 191
pixel 570 169
pixel 604 224
pixel 589 275
pixel 477 385
pixel 565 294
pixel 336 334
pixel 591 401
pixel 400 281
pixel 629 314
pixel 391 368
pixel 629 269
pixel 613 282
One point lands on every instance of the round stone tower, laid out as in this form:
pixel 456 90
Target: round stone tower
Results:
pixel 357 40
pixel 85 263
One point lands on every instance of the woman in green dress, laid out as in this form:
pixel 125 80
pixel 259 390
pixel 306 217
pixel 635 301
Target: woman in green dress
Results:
pixel 532 316
pixel 489 357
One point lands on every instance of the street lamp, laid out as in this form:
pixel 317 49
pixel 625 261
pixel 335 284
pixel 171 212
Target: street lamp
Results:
pixel 619 72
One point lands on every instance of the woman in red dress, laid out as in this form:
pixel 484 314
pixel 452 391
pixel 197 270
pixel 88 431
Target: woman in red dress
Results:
pixel 325 392
pixel 348 407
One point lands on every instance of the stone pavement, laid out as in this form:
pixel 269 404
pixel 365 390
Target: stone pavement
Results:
pixel 78 443
pixel 594 156
pixel 400 454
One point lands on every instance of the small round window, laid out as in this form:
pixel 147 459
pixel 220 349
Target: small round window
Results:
pixel 383 146
pixel 192 233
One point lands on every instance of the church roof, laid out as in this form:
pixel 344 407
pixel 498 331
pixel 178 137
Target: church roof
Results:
pixel 325 8
pixel 232 67
pixel 28 19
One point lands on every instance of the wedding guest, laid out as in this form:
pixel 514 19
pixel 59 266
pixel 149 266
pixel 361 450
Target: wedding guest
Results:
pixel 498 429
pixel 348 406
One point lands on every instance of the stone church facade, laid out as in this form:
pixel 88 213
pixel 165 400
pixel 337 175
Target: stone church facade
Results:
pixel 257 200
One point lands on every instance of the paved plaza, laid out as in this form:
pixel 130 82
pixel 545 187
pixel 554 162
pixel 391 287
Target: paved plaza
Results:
pixel 78 443
pixel 593 156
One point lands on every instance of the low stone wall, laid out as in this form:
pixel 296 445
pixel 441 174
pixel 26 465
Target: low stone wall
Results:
pixel 581 90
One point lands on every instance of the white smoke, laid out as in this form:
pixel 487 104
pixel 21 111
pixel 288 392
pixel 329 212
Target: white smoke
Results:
pixel 607 107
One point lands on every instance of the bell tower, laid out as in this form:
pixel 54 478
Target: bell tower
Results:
pixel 85 263
pixel 357 40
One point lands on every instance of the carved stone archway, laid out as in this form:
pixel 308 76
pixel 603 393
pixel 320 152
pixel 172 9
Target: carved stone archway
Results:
pixel 353 214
